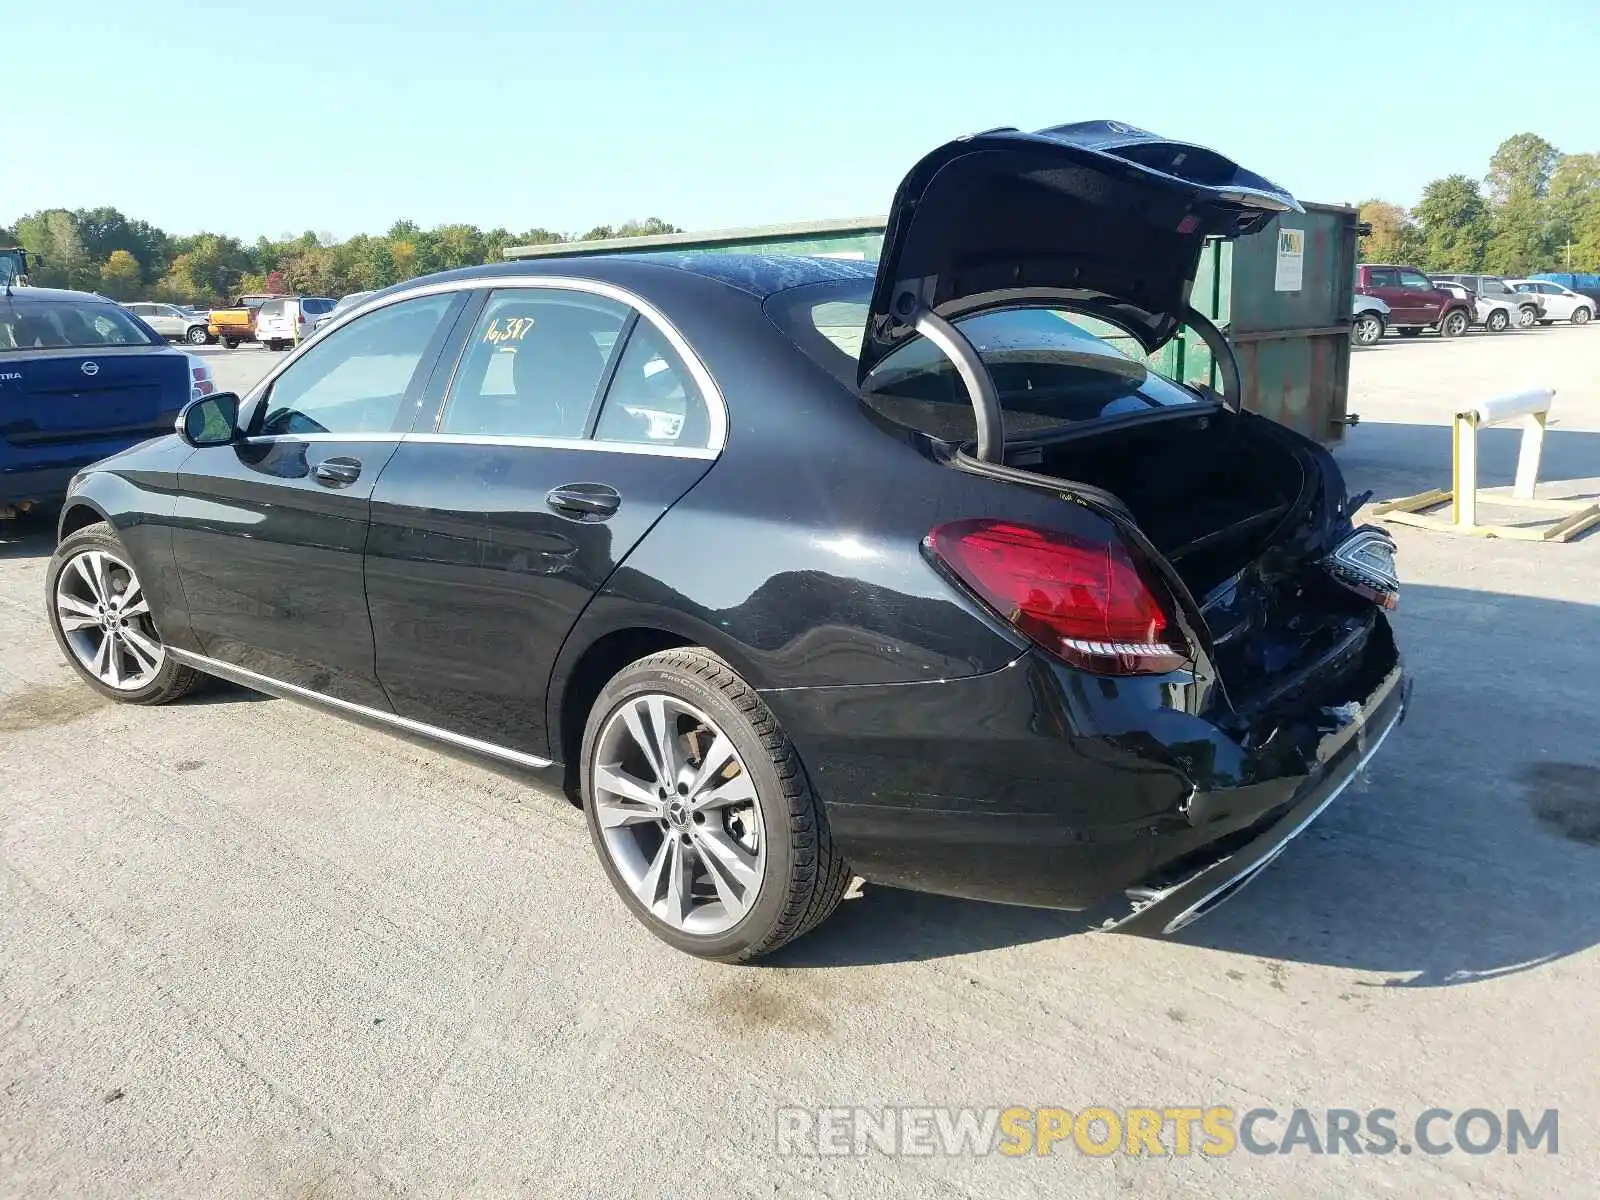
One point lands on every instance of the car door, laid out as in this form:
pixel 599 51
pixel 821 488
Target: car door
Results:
pixel 269 532
pixel 569 424
pixel 1384 283
pixel 1423 301
pixel 171 321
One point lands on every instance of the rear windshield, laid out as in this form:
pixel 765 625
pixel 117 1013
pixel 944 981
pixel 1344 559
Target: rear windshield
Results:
pixel 270 308
pixel 1050 370
pixel 67 325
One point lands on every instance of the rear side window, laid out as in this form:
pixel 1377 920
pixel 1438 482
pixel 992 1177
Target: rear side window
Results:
pixel 1494 287
pixel 1049 369
pixel 316 306
pixel 65 325
pixel 533 364
pixel 1383 277
pixel 653 400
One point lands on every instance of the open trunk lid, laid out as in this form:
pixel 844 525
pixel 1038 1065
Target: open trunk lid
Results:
pixel 1101 216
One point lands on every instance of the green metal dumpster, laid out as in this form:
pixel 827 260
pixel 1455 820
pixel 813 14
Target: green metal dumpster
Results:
pixel 1282 295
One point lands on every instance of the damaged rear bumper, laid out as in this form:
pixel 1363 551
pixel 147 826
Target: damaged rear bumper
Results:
pixel 1167 903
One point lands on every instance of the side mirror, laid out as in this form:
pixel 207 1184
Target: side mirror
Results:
pixel 210 421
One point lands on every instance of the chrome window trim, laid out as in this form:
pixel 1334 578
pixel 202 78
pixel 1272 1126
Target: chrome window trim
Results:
pixel 477 439
pixel 559 443
pixel 290 691
pixel 715 404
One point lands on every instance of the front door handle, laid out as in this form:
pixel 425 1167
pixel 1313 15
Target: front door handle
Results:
pixel 337 472
pixel 585 501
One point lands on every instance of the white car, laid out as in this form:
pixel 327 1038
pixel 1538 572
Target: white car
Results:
pixel 1560 303
pixel 1369 317
pixel 284 322
pixel 171 321
pixel 1494 313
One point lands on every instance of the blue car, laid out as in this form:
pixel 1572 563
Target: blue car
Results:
pixel 80 378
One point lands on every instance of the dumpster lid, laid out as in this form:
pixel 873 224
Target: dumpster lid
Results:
pixel 1102 215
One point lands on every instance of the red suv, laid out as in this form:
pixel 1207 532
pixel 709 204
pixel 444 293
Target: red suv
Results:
pixel 1414 302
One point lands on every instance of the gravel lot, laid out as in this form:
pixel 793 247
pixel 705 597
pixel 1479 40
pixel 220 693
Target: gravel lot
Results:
pixel 249 950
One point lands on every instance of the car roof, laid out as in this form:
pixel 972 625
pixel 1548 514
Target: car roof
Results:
pixel 38 295
pixel 758 275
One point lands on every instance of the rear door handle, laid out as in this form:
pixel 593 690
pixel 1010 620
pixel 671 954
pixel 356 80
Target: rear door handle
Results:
pixel 337 472
pixel 585 501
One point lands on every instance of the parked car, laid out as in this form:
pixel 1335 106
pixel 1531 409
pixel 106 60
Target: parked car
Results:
pixel 1560 303
pixel 236 324
pixel 345 303
pixel 281 323
pixel 1587 285
pixel 834 619
pixel 1369 317
pixel 1496 315
pixel 172 322
pixel 1526 308
pixel 1415 302
pixel 80 378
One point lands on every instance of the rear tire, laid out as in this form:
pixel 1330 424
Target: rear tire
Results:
pixel 754 813
pixel 1580 316
pixel 1453 325
pixel 102 621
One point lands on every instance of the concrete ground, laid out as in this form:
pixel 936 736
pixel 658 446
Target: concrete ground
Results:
pixel 249 950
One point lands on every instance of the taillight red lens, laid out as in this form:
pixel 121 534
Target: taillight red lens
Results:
pixel 1084 601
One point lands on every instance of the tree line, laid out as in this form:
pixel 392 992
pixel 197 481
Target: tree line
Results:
pixel 1537 210
pixel 102 250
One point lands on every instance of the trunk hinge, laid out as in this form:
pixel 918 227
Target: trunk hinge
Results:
pixel 980 384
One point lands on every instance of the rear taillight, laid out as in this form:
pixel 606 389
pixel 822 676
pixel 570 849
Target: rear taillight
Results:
pixel 200 382
pixel 1086 602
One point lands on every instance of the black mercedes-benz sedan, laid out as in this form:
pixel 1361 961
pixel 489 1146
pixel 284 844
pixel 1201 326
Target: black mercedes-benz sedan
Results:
pixel 792 569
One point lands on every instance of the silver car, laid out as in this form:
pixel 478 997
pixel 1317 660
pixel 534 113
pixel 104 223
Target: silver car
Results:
pixel 345 302
pixel 172 321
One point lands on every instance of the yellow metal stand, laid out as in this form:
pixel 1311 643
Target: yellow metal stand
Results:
pixel 1463 495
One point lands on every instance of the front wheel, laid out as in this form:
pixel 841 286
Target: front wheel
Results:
pixel 1527 317
pixel 1580 316
pixel 101 617
pixel 198 336
pixel 1368 329
pixel 1453 325
pixel 701 812
pixel 1497 321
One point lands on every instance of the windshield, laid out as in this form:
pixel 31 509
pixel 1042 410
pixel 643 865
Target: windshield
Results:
pixel 1050 370
pixel 67 325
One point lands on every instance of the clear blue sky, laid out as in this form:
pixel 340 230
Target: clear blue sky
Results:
pixel 343 115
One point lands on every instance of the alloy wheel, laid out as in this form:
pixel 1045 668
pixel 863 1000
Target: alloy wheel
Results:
pixel 677 814
pixel 105 619
pixel 1368 329
pixel 1526 317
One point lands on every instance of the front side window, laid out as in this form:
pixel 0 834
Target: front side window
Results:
pixel 357 378
pixel 653 400
pixel 1494 287
pixel 533 364
pixel 67 325
pixel 1415 279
